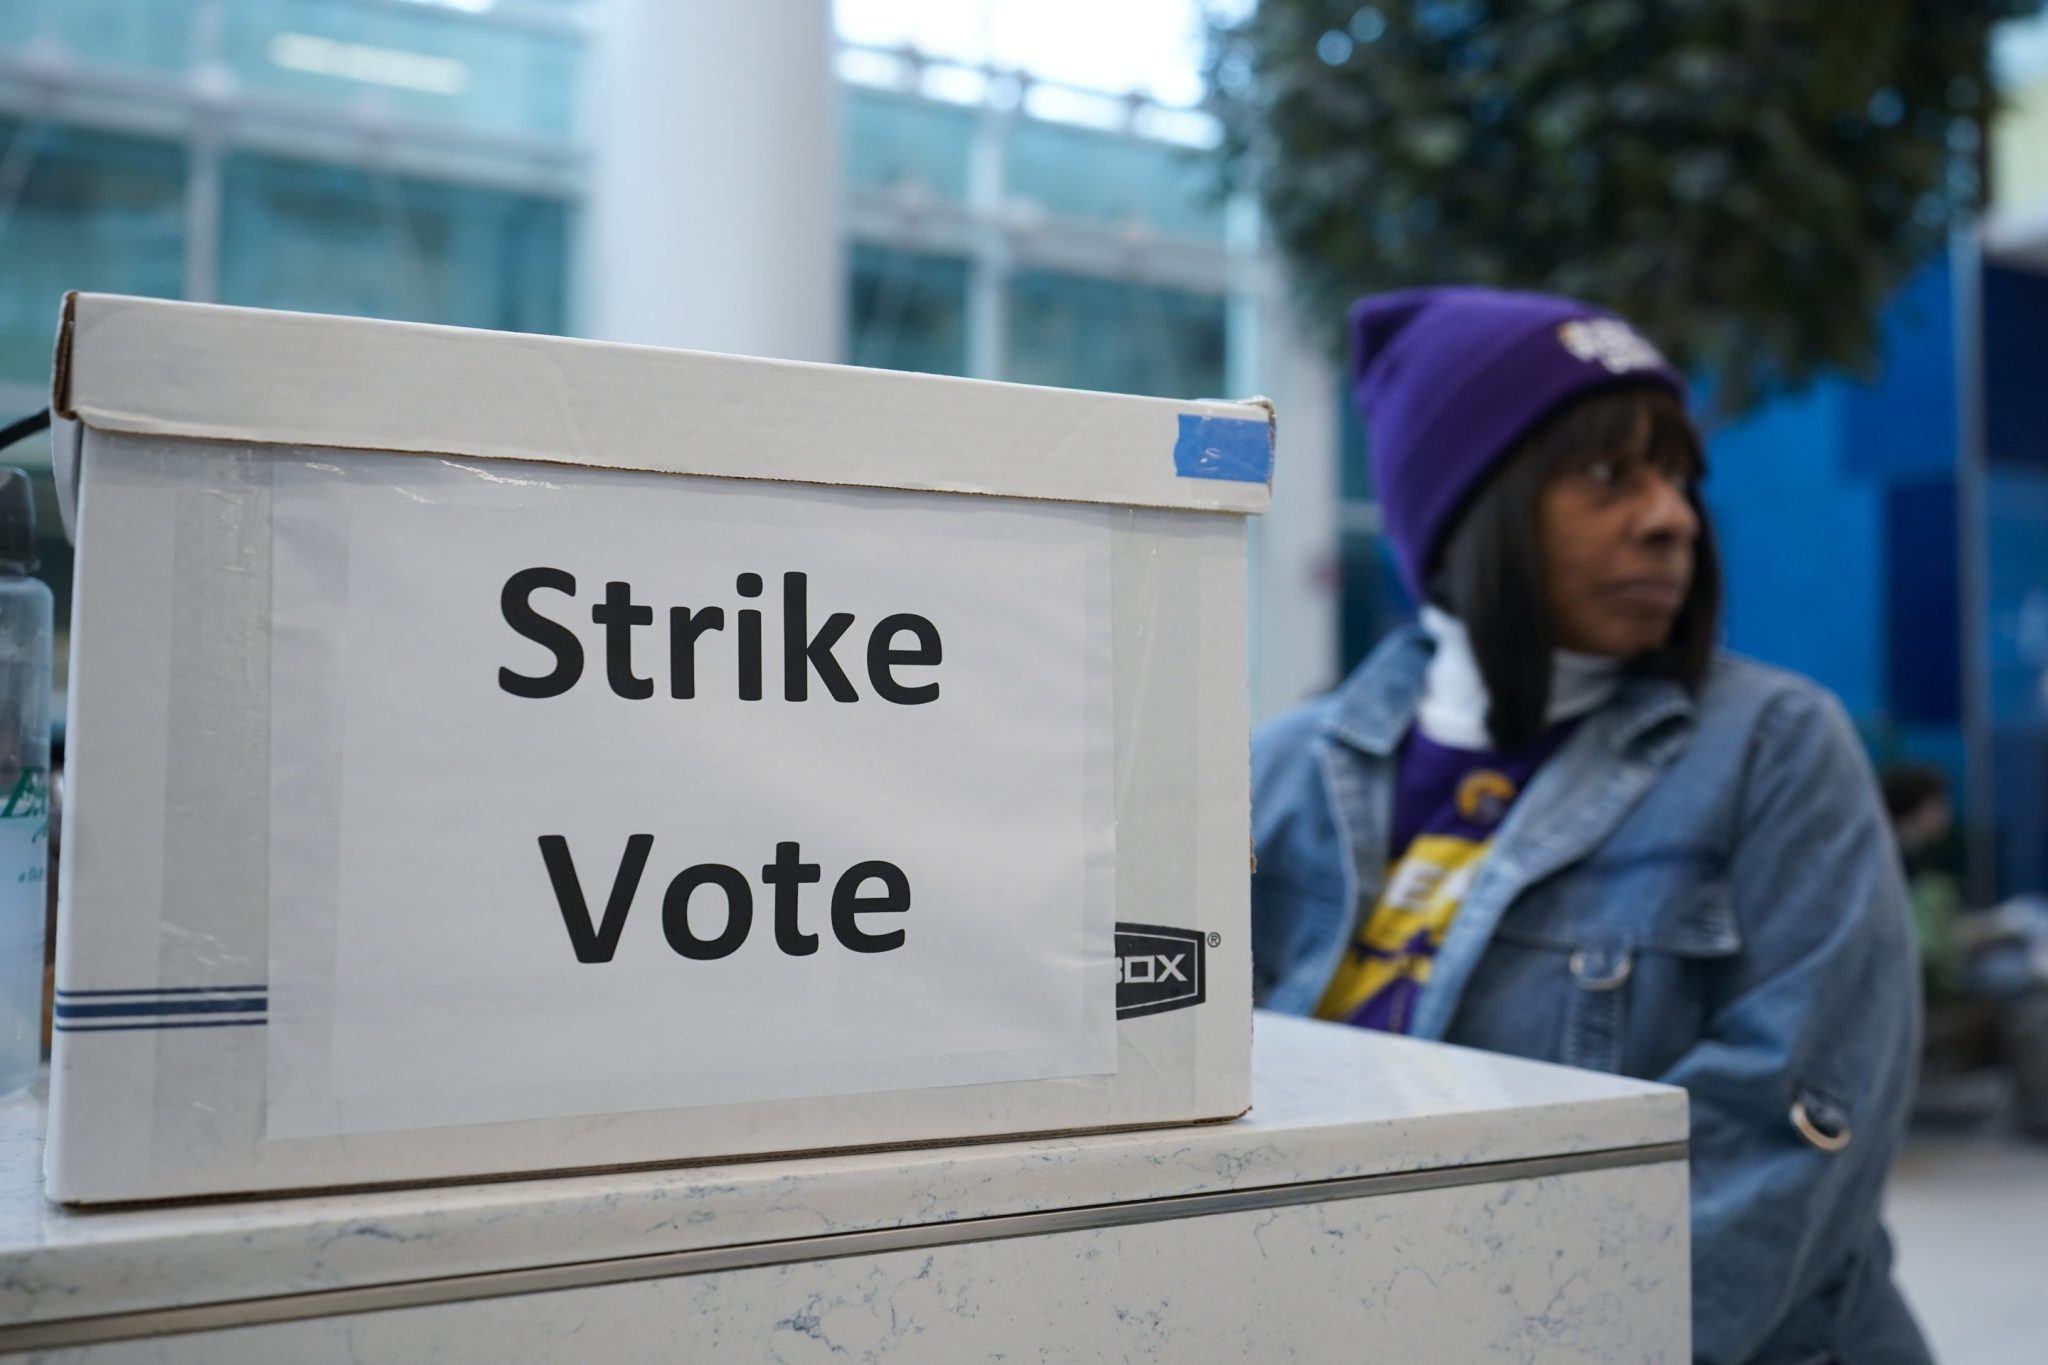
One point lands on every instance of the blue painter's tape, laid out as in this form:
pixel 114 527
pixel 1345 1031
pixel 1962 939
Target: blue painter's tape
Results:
pixel 1234 448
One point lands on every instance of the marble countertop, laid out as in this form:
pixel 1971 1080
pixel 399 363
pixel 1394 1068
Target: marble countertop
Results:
pixel 1330 1103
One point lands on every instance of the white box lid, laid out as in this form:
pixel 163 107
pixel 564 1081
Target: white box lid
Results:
pixel 242 374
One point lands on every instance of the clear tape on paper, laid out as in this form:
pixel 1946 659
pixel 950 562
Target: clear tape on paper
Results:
pixel 197 803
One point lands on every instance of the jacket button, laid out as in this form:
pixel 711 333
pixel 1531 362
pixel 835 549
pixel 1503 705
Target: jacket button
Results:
pixel 1602 970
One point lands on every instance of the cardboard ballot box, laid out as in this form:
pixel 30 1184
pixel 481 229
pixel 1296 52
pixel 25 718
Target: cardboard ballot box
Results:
pixel 493 754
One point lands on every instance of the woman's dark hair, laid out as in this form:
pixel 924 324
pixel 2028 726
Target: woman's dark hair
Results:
pixel 1489 573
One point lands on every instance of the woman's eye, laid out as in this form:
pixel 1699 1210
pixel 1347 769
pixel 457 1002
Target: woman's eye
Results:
pixel 1606 473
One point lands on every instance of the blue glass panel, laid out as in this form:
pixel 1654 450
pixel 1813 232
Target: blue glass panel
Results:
pixel 2019 808
pixel 1085 333
pixel 2015 399
pixel 1103 177
pixel 19 25
pixel 97 212
pixel 1374 602
pixel 152 34
pixel 2016 550
pixel 908 310
pixel 891 139
pixel 329 239
pixel 423 61
pixel 1354 452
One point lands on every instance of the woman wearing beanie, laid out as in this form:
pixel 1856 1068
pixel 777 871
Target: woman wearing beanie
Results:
pixel 1552 820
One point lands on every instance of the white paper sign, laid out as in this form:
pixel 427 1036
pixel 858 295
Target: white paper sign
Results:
pixel 597 792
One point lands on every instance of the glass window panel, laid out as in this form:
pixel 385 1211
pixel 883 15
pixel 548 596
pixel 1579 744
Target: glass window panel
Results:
pixel 1084 333
pixel 329 239
pixel 2015 550
pixel 1373 602
pixel 1105 177
pixel 1354 463
pixel 431 62
pixel 152 34
pixel 893 139
pixel 908 310
pixel 2016 553
pixel 95 212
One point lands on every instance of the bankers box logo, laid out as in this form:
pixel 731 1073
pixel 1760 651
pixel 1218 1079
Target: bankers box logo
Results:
pixel 1158 969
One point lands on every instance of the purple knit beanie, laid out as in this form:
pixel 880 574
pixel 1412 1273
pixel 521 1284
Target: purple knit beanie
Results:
pixel 1449 379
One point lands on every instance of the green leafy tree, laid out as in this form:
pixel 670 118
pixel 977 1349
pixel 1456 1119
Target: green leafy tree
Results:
pixel 1748 180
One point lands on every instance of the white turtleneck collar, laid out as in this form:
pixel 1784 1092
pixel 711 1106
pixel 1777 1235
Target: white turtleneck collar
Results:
pixel 1454 697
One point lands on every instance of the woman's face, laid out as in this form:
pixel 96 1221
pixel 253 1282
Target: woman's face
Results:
pixel 1618 532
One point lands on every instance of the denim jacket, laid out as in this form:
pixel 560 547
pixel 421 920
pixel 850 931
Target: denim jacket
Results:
pixel 1700 890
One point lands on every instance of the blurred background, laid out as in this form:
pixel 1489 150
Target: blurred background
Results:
pixel 1841 226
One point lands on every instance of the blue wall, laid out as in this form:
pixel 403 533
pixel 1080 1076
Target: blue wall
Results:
pixel 1838 516
pixel 1801 544
pixel 1836 509
pixel 1902 422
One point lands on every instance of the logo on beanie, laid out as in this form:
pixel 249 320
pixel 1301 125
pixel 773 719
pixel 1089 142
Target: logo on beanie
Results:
pixel 1611 342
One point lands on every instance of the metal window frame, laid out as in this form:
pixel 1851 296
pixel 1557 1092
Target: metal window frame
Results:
pixel 998 236
pixel 211 120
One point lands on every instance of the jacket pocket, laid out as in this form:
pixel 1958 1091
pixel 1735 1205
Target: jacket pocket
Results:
pixel 1633 946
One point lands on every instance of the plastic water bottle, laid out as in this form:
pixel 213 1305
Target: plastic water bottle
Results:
pixel 24 783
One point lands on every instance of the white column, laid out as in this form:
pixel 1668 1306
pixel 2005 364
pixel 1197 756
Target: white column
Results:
pixel 1296 582
pixel 713 215
pixel 205 153
pixel 988 282
pixel 1295 588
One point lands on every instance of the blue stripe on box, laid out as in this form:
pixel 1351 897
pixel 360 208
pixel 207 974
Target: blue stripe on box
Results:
pixel 134 1008
pixel 1234 448
pixel 102 1010
pixel 157 1025
pixel 167 990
